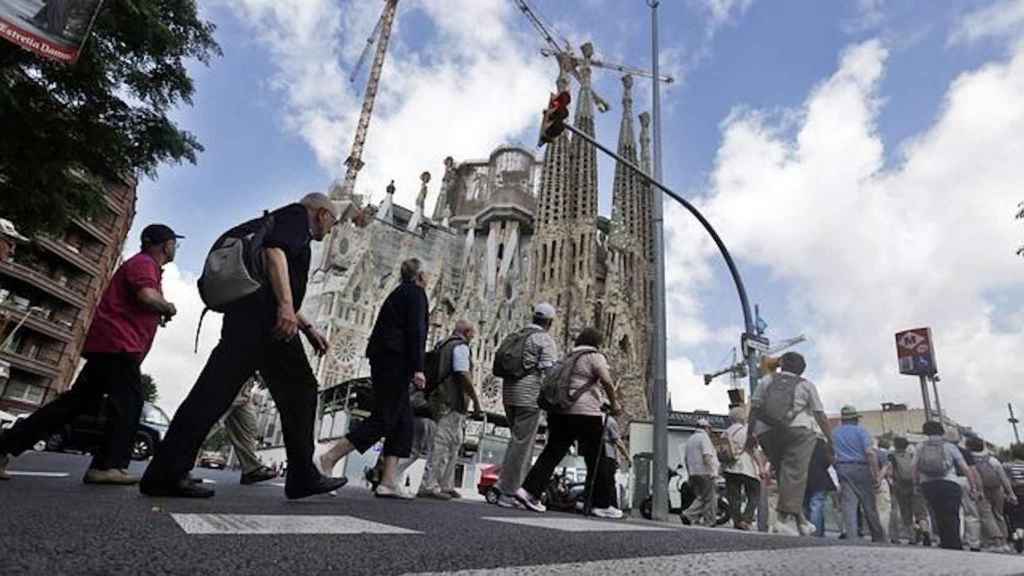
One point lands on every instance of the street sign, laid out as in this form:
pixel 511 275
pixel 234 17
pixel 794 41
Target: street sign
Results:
pixel 753 343
pixel 915 352
pixel 55 29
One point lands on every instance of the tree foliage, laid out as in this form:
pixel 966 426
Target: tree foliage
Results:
pixel 67 129
pixel 149 392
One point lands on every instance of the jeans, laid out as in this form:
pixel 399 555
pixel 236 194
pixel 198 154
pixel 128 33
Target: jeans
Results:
pixel 735 484
pixel 705 504
pixel 856 488
pixel 563 430
pixel 814 509
pixel 523 423
pixel 944 497
pixel 117 376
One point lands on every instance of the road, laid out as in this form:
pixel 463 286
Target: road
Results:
pixel 51 523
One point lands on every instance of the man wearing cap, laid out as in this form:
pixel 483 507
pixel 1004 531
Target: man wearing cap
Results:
pixel 122 331
pixel 520 400
pixel 702 467
pixel 9 239
pixel 259 332
pixel 859 478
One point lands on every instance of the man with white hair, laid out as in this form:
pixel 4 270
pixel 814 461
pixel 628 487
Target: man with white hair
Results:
pixel 741 471
pixel 9 239
pixel 702 467
pixel 259 333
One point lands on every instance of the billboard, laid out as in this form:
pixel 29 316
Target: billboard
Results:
pixel 915 352
pixel 54 29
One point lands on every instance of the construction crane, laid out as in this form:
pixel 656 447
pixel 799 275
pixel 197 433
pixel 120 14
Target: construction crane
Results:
pixel 564 51
pixel 382 36
pixel 739 369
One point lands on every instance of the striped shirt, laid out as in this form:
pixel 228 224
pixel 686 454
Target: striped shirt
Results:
pixel 1015 470
pixel 539 353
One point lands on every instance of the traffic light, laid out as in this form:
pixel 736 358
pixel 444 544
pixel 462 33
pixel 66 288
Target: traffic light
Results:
pixel 553 121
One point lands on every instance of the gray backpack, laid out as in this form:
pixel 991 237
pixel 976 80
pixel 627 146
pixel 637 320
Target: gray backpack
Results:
pixel 989 475
pixel 234 266
pixel 931 458
pixel 777 405
pixel 508 359
pixel 555 394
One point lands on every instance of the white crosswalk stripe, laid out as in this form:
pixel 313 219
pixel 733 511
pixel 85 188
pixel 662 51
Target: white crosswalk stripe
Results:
pixel 39 474
pixel 578 524
pixel 275 524
pixel 832 560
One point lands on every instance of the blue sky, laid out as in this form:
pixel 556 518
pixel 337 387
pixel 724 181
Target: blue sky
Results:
pixel 809 131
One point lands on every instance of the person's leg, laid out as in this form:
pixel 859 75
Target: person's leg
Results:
pixel 240 425
pixel 523 423
pixel 459 437
pixel 560 438
pixel 386 376
pixel 86 393
pixel 398 439
pixel 950 504
pixel 752 491
pixel 445 438
pixel 733 486
pixel 998 500
pixel 710 499
pixel 230 365
pixel 797 451
pixel 590 432
pixel 972 519
pixel 695 511
pixel 123 408
pixel 848 501
pixel 422 439
pixel 864 488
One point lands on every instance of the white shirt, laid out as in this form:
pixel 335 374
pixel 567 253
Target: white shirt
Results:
pixel 736 435
pixel 699 445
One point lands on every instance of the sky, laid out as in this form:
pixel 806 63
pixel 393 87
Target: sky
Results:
pixel 860 159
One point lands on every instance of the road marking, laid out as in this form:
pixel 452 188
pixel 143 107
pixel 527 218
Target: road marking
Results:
pixel 812 561
pixel 579 524
pixel 272 524
pixel 40 474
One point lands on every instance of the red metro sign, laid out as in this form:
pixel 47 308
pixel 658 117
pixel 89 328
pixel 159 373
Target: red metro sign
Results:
pixel 915 352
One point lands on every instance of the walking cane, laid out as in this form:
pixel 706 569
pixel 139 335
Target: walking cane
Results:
pixel 592 477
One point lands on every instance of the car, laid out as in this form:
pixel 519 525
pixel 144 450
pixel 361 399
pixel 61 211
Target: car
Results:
pixel 85 433
pixel 487 486
pixel 214 460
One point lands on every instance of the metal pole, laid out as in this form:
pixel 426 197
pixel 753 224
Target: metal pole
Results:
pixel 925 399
pixel 659 392
pixel 938 403
pixel 1013 421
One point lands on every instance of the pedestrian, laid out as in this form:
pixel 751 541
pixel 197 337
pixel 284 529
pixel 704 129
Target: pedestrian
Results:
pixel 614 449
pixel 423 428
pixel 240 425
pixel 883 495
pixel 259 333
pixel 859 476
pixel 702 468
pixel 784 410
pixel 997 490
pixel 1015 507
pixel 819 485
pixel 936 464
pixel 537 353
pixel 396 352
pixel 741 471
pixel 123 327
pixel 590 386
pixel 969 497
pixel 9 239
pixel 913 513
pixel 449 408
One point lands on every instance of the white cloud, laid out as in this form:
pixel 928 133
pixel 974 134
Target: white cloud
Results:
pixel 457 94
pixel 171 361
pixel 1005 18
pixel 864 250
pixel 724 11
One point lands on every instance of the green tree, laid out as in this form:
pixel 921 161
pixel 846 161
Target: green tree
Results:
pixel 149 391
pixel 68 129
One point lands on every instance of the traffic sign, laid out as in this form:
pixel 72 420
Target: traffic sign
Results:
pixel 754 343
pixel 915 352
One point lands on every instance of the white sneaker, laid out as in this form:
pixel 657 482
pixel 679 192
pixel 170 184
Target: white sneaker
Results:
pixel 526 499
pixel 786 527
pixel 385 491
pixel 506 501
pixel 609 512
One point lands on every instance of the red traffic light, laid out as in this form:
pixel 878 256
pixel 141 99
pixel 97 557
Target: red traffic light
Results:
pixel 553 120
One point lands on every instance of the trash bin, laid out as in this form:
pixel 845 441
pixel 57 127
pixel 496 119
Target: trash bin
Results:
pixel 642 465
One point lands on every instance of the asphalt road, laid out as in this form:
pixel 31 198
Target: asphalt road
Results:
pixel 54 524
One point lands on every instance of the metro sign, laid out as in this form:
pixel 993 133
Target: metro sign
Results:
pixel 915 352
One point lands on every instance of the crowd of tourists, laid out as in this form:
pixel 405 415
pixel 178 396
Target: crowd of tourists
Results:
pixel 780 454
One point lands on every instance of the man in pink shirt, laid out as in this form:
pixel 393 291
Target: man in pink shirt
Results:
pixel 122 331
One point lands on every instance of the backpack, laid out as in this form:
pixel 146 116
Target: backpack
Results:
pixel 555 395
pixel 234 267
pixel 726 457
pixel 987 472
pixel 508 360
pixel 779 398
pixel 418 402
pixel 437 365
pixel 931 458
pixel 902 467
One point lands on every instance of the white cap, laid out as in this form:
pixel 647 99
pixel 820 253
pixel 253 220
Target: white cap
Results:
pixel 704 423
pixel 7 230
pixel 544 310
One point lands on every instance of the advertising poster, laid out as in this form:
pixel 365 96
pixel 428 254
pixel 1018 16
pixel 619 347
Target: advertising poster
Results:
pixel 54 29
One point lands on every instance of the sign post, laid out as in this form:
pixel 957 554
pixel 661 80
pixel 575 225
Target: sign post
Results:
pixel 915 353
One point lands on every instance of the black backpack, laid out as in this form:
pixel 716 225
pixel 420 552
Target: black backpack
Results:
pixel 437 364
pixel 508 359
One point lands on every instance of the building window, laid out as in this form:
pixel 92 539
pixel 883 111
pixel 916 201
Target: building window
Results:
pixel 23 392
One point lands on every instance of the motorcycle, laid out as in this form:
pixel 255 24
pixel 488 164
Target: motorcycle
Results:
pixel 686 498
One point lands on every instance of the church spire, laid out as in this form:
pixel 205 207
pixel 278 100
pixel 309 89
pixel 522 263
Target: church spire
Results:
pixel 625 189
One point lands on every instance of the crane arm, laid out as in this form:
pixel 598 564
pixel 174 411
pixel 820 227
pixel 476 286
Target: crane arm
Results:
pixel 366 50
pixel 612 66
pixel 542 28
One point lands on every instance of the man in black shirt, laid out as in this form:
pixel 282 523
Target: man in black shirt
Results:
pixel 396 351
pixel 259 333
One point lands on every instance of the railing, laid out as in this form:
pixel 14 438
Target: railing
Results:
pixel 76 258
pixel 44 283
pixel 48 327
pixel 32 365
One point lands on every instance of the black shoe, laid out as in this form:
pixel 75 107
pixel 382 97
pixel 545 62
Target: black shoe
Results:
pixel 261 474
pixel 319 484
pixel 184 488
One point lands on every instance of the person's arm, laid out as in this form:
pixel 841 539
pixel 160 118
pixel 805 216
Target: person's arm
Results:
pixel 915 472
pixel 604 376
pixel 276 264
pixel 415 331
pixel 316 339
pixel 872 455
pixel 1005 481
pixel 151 298
pixel 621 447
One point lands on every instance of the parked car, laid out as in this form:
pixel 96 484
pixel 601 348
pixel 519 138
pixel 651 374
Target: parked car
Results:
pixel 214 460
pixel 86 432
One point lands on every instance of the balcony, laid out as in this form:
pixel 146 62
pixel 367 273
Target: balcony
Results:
pixel 54 330
pixel 31 365
pixel 82 261
pixel 103 233
pixel 44 283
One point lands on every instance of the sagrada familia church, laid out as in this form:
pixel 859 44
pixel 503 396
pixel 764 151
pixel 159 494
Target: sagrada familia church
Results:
pixel 505 233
